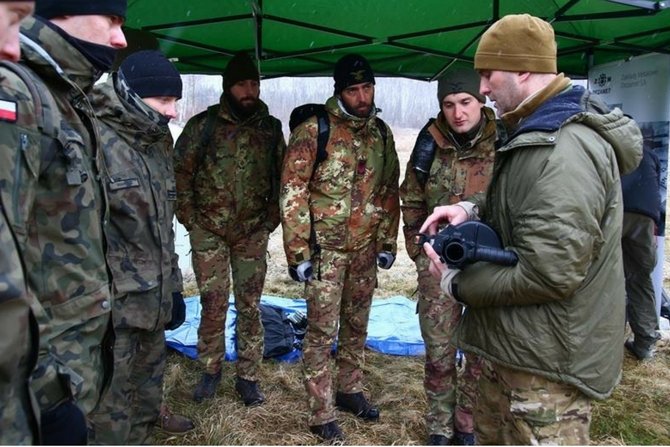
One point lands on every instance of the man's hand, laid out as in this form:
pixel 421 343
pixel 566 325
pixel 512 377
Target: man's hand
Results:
pixel 452 214
pixel 302 272
pixel 440 271
pixel 385 260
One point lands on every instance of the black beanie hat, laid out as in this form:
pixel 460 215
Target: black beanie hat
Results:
pixel 350 70
pixel 49 9
pixel 240 68
pixel 150 74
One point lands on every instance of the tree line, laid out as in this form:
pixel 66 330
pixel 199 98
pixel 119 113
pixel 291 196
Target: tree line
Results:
pixel 404 103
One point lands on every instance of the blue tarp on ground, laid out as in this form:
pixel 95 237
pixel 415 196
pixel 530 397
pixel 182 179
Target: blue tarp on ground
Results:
pixel 393 328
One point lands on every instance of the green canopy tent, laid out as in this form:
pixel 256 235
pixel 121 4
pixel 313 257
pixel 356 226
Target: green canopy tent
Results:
pixel 411 38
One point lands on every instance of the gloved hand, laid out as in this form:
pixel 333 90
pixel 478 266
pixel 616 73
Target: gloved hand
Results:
pixel 178 311
pixel 302 272
pixel 385 260
pixel 64 425
pixel 447 282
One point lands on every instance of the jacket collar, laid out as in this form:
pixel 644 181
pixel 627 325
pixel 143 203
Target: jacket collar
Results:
pixel 50 55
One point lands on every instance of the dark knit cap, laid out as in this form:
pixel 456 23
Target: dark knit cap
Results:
pixel 240 68
pixel 460 80
pixel 352 69
pixel 49 9
pixel 150 74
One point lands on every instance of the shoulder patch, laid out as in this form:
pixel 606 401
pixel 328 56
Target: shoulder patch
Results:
pixel 8 111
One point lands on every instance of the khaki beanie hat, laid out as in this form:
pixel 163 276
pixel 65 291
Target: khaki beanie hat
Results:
pixel 460 80
pixel 518 42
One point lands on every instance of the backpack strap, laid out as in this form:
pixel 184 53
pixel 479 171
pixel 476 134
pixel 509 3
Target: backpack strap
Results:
pixel 423 153
pixel 205 140
pixel 48 119
pixel 46 110
pixel 382 130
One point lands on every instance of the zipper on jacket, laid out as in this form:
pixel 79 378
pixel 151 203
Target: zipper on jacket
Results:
pixel 23 146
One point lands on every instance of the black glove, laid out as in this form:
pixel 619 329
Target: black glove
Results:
pixel 64 425
pixel 178 312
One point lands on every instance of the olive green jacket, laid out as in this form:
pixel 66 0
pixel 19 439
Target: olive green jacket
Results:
pixel 555 199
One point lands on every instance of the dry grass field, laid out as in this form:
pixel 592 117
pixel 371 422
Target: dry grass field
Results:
pixel 638 413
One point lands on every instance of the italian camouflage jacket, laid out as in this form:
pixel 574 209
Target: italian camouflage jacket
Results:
pixel 137 148
pixel 351 198
pixel 57 207
pixel 230 183
pixel 455 175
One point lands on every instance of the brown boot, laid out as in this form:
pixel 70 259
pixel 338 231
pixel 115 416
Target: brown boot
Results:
pixel 173 423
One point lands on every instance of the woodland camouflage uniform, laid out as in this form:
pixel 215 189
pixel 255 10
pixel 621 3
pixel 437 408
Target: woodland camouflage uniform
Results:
pixel 142 192
pixel 350 202
pixel 18 341
pixel 57 212
pixel 456 173
pixel 227 198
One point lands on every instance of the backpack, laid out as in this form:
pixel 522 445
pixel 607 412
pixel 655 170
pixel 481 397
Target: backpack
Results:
pixel 301 113
pixel 279 336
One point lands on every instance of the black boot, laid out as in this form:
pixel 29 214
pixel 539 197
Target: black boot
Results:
pixel 328 432
pixel 461 438
pixel 249 392
pixel 438 440
pixel 206 388
pixel 357 404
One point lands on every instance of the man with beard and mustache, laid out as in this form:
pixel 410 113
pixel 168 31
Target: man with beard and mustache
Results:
pixel 227 167
pixel 340 221
pixel 58 206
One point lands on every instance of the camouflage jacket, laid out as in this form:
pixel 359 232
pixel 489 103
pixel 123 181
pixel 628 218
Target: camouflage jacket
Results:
pixel 233 183
pixel 57 206
pixel 351 199
pixel 18 347
pixel 141 191
pixel 455 175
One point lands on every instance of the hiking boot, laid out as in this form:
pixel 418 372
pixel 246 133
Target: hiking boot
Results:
pixel 639 352
pixel 206 388
pixel 357 404
pixel 461 438
pixel 173 423
pixel 329 431
pixel 438 440
pixel 249 392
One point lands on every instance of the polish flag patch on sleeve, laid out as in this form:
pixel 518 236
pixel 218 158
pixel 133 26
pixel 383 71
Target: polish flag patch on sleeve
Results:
pixel 8 111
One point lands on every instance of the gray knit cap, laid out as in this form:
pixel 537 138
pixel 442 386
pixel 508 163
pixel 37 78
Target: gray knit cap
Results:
pixel 457 81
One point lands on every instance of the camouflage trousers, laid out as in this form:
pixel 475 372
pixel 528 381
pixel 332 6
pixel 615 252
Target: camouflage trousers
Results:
pixel 339 295
pixel 213 259
pixel 130 407
pixel 519 408
pixel 639 259
pixel 451 397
